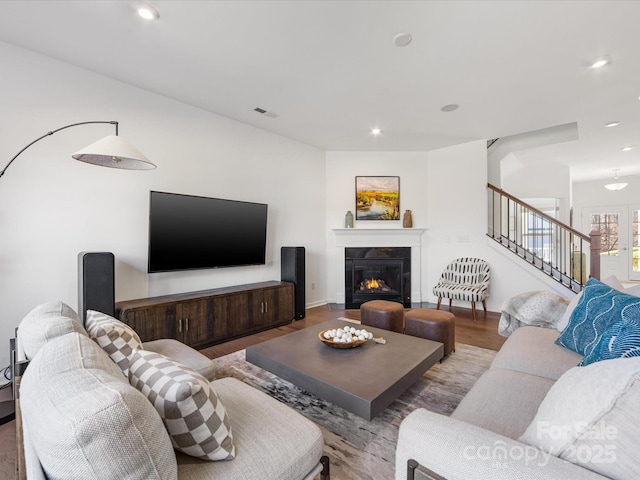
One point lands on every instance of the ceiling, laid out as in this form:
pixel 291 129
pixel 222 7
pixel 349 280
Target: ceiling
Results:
pixel 330 71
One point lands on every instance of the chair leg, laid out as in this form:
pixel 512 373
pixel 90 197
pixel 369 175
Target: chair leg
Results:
pixel 450 302
pixel 325 473
pixel 473 310
pixel 484 305
pixel 439 302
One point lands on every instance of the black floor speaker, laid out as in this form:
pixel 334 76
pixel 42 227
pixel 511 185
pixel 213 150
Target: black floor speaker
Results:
pixel 292 270
pixel 96 283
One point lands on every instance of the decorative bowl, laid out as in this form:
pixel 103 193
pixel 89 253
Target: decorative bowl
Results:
pixel 331 343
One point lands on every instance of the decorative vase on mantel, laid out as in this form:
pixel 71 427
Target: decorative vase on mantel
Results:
pixel 348 220
pixel 407 220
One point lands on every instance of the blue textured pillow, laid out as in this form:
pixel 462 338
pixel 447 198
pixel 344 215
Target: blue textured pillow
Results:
pixel 621 340
pixel 599 308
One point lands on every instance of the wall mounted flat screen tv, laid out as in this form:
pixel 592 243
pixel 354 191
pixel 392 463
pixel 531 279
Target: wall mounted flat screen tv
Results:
pixel 187 232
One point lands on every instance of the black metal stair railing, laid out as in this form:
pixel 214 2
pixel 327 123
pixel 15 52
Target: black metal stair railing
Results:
pixel 565 254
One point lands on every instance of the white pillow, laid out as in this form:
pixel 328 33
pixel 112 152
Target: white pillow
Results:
pixel 84 419
pixel 612 281
pixel 591 417
pixel 44 323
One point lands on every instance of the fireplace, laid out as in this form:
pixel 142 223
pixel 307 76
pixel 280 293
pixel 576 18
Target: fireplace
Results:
pixel 377 273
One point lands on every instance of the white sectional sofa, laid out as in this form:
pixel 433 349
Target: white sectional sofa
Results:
pixel 81 418
pixel 535 414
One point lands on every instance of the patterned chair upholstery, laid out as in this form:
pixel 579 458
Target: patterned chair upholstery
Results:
pixel 464 279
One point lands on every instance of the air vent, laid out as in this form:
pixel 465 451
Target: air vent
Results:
pixel 266 113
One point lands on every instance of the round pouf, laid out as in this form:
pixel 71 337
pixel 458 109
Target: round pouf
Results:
pixel 383 314
pixel 436 325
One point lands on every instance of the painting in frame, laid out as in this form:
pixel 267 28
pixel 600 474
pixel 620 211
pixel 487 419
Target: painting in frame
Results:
pixel 377 198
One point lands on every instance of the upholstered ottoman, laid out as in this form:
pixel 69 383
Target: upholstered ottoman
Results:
pixel 436 325
pixel 383 314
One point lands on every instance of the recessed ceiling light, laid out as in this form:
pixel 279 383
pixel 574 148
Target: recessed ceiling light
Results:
pixel 402 39
pixel 376 131
pixel 148 12
pixel 626 149
pixel 612 124
pixel 450 108
pixel 599 63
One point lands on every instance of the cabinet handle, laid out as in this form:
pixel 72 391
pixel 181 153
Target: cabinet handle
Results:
pixel 180 326
pixel 186 324
pixel 261 307
pixel 266 307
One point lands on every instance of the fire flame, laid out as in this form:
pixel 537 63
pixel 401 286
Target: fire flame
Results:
pixel 373 283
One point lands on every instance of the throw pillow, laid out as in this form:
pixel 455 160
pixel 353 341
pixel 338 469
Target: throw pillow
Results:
pixel 612 281
pixel 599 307
pixel 621 340
pixel 591 417
pixel 44 323
pixel 116 338
pixel 194 416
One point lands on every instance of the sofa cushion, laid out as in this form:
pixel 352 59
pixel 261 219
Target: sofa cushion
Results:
pixel 115 337
pixel 591 417
pixel 45 322
pixel 193 414
pixel 621 340
pixel 599 307
pixel 533 350
pixel 84 419
pixel 186 355
pixel 503 401
pixel 273 441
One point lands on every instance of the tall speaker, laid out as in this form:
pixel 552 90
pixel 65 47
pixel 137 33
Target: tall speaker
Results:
pixel 96 283
pixel 292 270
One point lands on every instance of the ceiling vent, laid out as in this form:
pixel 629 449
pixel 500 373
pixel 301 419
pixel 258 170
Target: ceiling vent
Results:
pixel 266 113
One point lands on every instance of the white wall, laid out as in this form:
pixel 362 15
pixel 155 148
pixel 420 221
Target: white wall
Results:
pixel 52 207
pixel 446 192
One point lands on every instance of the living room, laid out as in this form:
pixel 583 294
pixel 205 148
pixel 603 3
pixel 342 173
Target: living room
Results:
pixel 52 207
pixel 198 152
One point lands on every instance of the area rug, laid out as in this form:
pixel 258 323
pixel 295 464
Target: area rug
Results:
pixel 361 449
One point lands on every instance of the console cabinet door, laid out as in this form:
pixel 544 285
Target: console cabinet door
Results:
pixel 277 305
pixel 232 314
pixel 196 322
pixel 152 323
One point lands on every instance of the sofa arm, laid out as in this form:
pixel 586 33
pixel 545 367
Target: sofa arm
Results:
pixel 460 451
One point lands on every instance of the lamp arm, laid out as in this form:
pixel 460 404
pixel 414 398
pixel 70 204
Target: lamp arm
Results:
pixel 51 133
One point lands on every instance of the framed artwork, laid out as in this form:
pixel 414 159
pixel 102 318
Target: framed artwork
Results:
pixel 377 198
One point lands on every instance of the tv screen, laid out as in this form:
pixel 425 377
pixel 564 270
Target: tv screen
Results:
pixel 187 232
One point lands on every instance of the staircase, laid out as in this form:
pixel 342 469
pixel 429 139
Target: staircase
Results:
pixel 563 253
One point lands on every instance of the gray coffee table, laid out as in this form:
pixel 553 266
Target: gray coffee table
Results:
pixel 363 380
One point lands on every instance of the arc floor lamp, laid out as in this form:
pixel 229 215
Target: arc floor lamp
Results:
pixel 112 151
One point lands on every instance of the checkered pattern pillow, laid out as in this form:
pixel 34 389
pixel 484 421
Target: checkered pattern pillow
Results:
pixel 116 338
pixel 194 416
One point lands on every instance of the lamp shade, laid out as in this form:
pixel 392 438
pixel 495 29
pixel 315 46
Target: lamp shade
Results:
pixel 615 186
pixel 114 152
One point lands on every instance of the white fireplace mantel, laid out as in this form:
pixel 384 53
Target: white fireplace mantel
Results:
pixel 379 237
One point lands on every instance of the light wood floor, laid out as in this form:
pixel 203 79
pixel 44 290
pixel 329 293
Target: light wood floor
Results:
pixel 481 333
